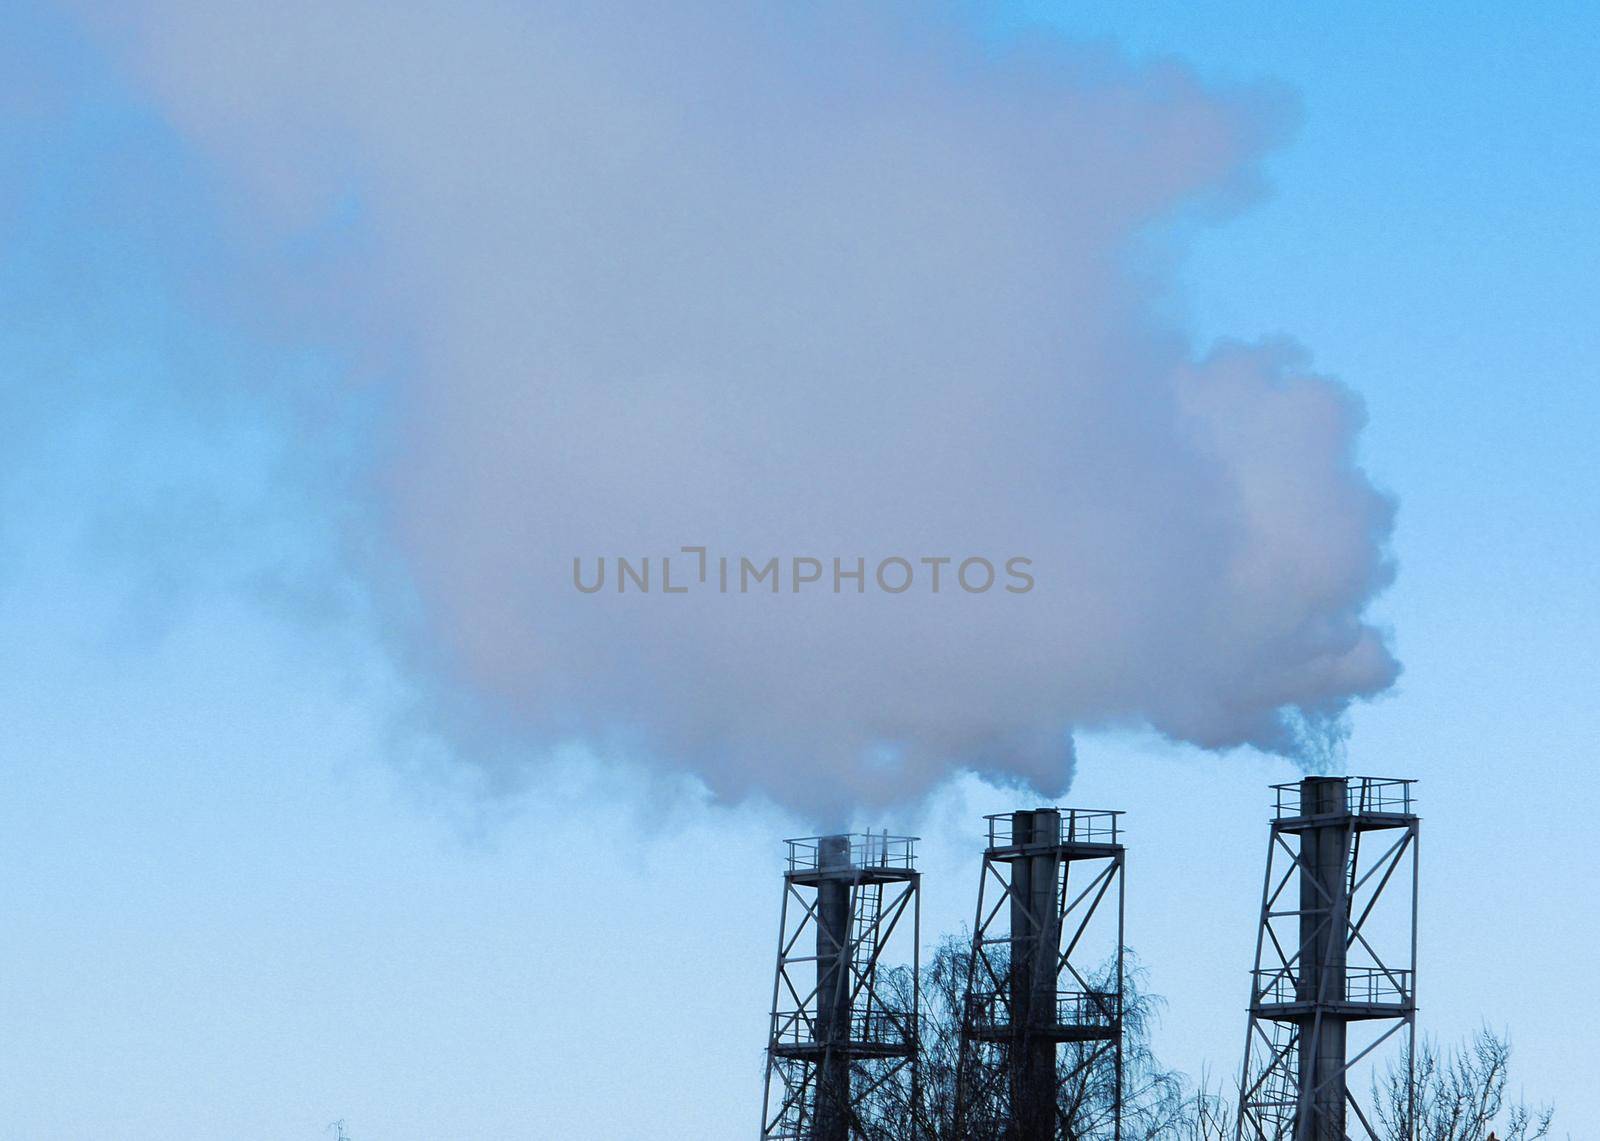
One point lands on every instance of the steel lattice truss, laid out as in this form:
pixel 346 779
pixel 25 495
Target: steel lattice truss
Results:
pixel 1335 970
pixel 843 1037
pixel 1044 992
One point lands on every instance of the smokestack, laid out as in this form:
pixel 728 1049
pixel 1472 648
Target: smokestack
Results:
pixel 1332 962
pixel 836 876
pixel 1035 947
pixel 1025 998
pixel 1325 852
pixel 835 1037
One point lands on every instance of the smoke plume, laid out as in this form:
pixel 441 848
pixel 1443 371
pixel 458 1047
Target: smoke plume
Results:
pixel 800 282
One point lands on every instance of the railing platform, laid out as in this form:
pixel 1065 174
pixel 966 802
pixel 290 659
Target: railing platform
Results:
pixel 1369 992
pixel 874 857
pixel 1083 833
pixel 1079 1016
pixel 1372 802
pixel 881 1034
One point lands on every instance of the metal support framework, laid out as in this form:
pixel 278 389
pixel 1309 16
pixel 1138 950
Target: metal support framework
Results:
pixel 1335 970
pixel 843 1040
pixel 1041 1033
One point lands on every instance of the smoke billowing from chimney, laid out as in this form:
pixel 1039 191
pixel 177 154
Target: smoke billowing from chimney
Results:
pixel 805 282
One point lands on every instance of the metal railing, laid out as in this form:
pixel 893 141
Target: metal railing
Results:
pixel 867 850
pixel 1363 986
pixel 881 1028
pixel 1363 796
pixel 1078 826
pixel 991 1010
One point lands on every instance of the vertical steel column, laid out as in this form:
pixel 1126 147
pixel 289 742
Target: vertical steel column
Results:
pixel 833 988
pixel 1324 919
pixel 1035 949
pixel 1122 983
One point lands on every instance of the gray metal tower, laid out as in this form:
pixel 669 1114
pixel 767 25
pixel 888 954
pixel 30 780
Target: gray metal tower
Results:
pixel 1041 1034
pixel 843 1040
pixel 1335 971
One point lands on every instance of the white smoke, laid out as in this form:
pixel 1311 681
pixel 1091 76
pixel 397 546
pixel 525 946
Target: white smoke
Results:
pixel 819 281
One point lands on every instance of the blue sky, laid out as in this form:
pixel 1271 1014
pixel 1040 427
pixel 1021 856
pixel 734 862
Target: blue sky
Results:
pixel 248 893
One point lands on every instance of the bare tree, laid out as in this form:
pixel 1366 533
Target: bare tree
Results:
pixel 1155 1105
pixel 1207 1115
pixel 1461 1095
